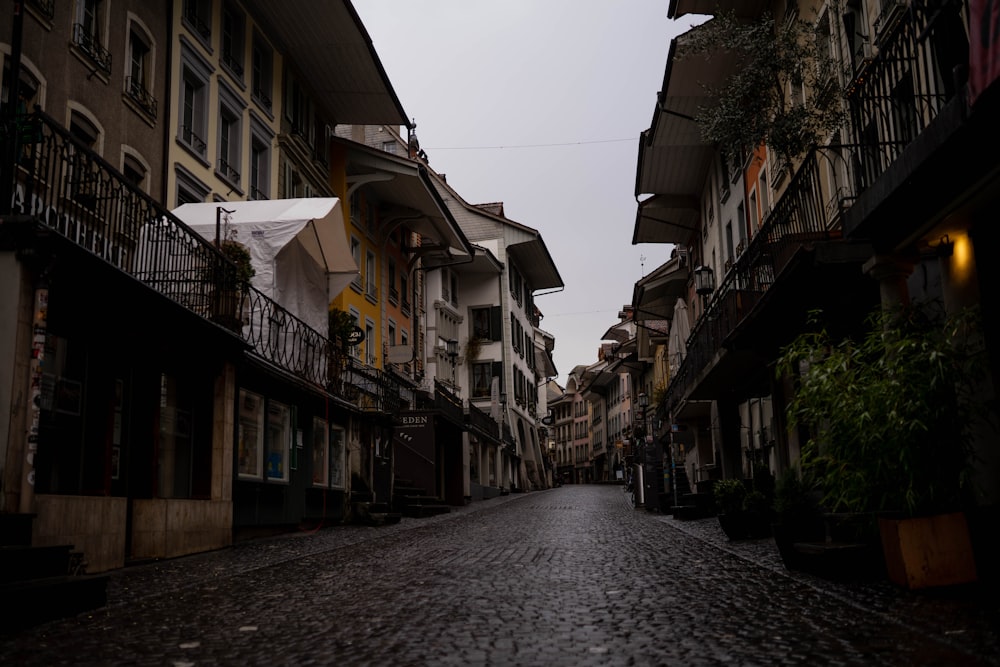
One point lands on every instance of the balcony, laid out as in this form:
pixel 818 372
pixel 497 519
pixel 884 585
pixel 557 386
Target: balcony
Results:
pixel 142 97
pixel 798 220
pixel 90 43
pixel 65 188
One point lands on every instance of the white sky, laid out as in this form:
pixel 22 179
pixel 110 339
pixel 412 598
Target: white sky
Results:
pixel 539 104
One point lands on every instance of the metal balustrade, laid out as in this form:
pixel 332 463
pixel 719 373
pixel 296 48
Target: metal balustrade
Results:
pixel 69 189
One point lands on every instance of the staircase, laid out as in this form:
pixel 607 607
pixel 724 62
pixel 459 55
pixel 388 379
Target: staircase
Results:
pixel 365 511
pixel 413 501
pixel 692 505
pixel 42 583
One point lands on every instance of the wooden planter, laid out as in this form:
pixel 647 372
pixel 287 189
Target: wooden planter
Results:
pixel 928 551
pixel 745 525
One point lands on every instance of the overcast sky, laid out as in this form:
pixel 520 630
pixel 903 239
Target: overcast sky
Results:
pixel 539 104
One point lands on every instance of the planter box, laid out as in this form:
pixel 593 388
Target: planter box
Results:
pixel 745 525
pixel 923 552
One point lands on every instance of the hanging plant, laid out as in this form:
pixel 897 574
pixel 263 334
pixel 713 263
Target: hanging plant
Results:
pixel 473 347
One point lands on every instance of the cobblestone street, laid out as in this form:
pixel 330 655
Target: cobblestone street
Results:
pixel 570 576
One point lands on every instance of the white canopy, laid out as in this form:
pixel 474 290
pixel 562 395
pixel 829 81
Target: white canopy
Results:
pixel 298 248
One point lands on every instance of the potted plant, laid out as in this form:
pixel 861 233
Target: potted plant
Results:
pixel 231 283
pixel 888 413
pixel 797 517
pixel 742 512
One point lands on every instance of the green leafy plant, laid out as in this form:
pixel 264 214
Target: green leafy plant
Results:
pixel 754 106
pixel 794 499
pixel 239 255
pixel 341 325
pixel 889 411
pixel 729 495
pixel 472 347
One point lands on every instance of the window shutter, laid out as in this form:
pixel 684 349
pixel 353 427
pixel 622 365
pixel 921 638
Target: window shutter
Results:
pixel 497 372
pixel 496 330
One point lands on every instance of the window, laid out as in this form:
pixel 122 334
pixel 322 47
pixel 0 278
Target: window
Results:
pixel 389 146
pixel 356 254
pixel 320 452
pixel 482 379
pixel 729 241
pixel 83 175
pixel 486 322
pixel 197 16
pixel 279 440
pixel 454 289
pixel 230 137
pixel 190 190
pixel 260 159
pixel 138 82
pixel 135 171
pixel 193 126
pixel 89 32
pixel 370 357
pixel 404 292
pixel 28 91
pixel 337 458
pixel 183 463
pixel 391 333
pixel 371 281
pixel 765 205
pixel 355 350
pixel 250 437
pixel 261 77
pixel 391 279
pixel 233 30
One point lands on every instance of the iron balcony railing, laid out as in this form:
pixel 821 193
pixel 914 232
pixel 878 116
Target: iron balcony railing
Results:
pixel 894 96
pixel 799 217
pixel 72 191
pixel 137 91
pixel 481 421
pixel 89 42
pixel 897 92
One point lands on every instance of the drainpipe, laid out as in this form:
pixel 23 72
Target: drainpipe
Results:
pixel 10 115
pixel 39 332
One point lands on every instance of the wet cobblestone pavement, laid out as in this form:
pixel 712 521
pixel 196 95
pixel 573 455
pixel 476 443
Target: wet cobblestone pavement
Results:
pixel 569 576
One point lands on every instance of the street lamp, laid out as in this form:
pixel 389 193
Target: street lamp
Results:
pixel 704 283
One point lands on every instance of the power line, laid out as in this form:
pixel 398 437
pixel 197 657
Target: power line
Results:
pixel 569 143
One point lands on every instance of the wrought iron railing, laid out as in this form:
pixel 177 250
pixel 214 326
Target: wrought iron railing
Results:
pixel 46 7
pixel 90 43
pixel 799 217
pixel 903 87
pixel 72 191
pixel 479 420
pixel 142 97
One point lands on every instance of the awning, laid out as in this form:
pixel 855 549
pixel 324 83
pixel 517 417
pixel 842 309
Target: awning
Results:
pixel 673 159
pixel 298 248
pixel 654 297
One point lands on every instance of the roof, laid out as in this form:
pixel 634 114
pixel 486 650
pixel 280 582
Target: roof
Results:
pixel 654 297
pixel 334 55
pixel 674 160
pixel 678 8
pixel 406 187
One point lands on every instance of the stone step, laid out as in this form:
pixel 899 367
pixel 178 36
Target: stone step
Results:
pixel 34 601
pixel 21 563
